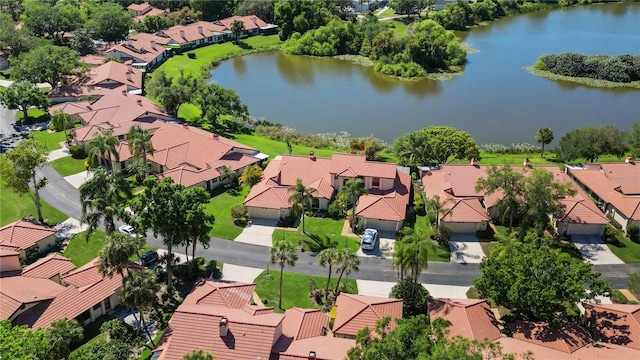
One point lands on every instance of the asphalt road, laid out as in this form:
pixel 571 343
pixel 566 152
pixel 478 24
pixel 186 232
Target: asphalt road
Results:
pixel 9 136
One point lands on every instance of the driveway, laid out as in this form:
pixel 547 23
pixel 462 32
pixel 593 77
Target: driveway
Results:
pixel 374 288
pixel 447 291
pixel 258 232
pixel 78 179
pixel 384 247
pixel 58 154
pixel 594 250
pixel 465 249
pixel 244 274
pixel 383 288
pixel 68 228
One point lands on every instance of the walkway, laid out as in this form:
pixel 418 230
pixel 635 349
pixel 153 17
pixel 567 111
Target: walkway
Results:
pixel 594 250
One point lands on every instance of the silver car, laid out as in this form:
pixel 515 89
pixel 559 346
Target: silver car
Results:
pixel 128 229
pixel 369 239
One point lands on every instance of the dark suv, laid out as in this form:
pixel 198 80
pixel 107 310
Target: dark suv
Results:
pixel 149 257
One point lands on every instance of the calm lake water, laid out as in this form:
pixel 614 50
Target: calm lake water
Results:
pixel 495 100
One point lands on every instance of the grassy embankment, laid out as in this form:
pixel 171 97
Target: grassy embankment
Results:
pixel 582 80
pixel 14 207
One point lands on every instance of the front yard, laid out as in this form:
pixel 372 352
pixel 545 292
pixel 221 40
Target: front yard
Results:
pixel 68 166
pixel 80 251
pixel 295 288
pixel 220 207
pixel 14 207
pixel 321 233
pixel 51 140
pixel 627 250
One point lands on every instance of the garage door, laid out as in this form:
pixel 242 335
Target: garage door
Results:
pixel 461 227
pixel 381 225
pixel 255 212
pixel 585 229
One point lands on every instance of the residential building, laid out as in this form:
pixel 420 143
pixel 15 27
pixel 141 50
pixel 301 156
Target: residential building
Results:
pixel 253 25
pixel 140 11
pixel 94 60
pixel 192 156
pixel 51 267
pixel 470 318
pixel 616 324
pixel 614 186
pixel 470 210
pixel 355 312
pixel 193 35
pixel 142 49
pixel 383 208
pixel 27 238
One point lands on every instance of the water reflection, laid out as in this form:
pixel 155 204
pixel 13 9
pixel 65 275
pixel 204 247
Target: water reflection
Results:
pixel 295 70
pixel 239 65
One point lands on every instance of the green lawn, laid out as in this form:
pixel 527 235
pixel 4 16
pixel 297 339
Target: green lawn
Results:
pixel 80 251
pixel 398 27
pixel 50 139
pixel 436 252
pixel 189 112
pixel 627 250
pixel 14 207
pixel 220 206
pixel 273 147
pixel 206 55
pixel 295 288
pixel 387 13
pixel 321 233
pixel 68 166
pixel 35 116
pixel 535 159
pixel 488 246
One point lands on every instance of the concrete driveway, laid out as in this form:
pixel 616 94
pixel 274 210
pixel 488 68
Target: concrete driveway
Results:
pixel 383 288
pixel 594 250
pixel 258 232
pixel 384 247
pixel 244 274
pixel 58 154
pixel 68 228
pixel 465 249
pixel 374 288
pixel 78 179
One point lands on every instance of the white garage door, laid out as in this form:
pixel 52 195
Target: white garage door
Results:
pixel 381 225
pixel 460 227
pixel 255 212
pixel 585 229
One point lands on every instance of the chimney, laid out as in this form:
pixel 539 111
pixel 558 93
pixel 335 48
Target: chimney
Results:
pixel 224 328
pixel 362 151
pixel 312 355
pixel 153 44
pixel 526 162
pixel 185 125
pixel 130 42
pixel 129 77
pixel 139 101
pixel 216 137
pixel 182 34
pixel 129 68
pixel 124 92
pixel 167 10
pixel 200 30
pixel 629 160
pixel 474 161
pixel 312 155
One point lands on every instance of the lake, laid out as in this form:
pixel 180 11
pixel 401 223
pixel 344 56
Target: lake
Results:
pixel 495 100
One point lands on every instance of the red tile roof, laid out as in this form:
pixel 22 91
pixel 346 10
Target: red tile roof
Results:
pixel 139 7
pixel 23 234
pixel 93 60
pixel 593 351
pixel 304 323
pixel 48 267
pixel 142 47
pixel 391 205
pixel 192 32
pixel 469 318
pixel 566 339
pixel 16 291
pixel 466 210
pixel 114 71
pixel 356 312
pixel 617 324
pixel 326 348
pixel 250 22
pixel 221 293
pixel 7 252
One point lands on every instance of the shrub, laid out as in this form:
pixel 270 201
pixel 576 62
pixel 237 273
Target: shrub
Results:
pixel 240 214
pixel 611 235
pixel 633 232
pixel 444 234
pixel 336 211
pixel 77 152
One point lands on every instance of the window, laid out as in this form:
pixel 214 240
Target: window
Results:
pixel 315 203
pixel 375 182
pixel 107 304
pixel 96 306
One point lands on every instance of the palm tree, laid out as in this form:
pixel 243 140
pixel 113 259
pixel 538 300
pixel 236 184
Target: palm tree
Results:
pixel 283 253
pixel 62 120
pixel 102 198
pixel 139 291
pixel 544 136
pixel 439 207
pixel 197 355
pixel 328 256
pixel 229 176
pixel 349 262
pixel 103 146
pixel 115 255
pixel 301 196
pixel 237 27
pixel 61 335
pixel 140 145
pixel 354 188
pixel 412 253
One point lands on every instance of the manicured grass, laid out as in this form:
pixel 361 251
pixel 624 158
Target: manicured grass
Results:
pixel 220 207
pixel 295 287
pixel 189 112
pixel 436 252
pixel 398 27
pixel 80 251
pixel 35 116
pixel 50 139
pixel 627 250
pixel 488 246
pixel 273 148
pixel 535 159
pixel 216 52
pixel 68 166
pixel 321 233
pixel 387 13
pixel 14 207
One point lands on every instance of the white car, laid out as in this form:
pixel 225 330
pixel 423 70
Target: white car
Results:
pixel 369 239
pixel 128 229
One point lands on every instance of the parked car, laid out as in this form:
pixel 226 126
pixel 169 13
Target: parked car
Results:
pixel 128 229
pixel 369 239
pixel 149 257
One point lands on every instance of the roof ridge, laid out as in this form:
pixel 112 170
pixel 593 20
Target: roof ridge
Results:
pixel 566 213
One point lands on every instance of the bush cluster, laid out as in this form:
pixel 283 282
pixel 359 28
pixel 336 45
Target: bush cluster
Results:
pixel 514 148
pixel 284 134
pixel 77 152
pixel 621 68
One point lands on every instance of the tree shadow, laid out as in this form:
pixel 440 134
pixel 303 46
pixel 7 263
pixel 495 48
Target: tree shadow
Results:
pixel 316 243
pixel 243 45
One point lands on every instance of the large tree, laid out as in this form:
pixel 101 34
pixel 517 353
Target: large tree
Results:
pixel 23 95
pixel 541 197
pixel 302 15
pixel 62 335
pixel 354 189
pixel 510 183
pixel 22 343
pixel 109 22
pixel 262 9
pixel 435 145
pixel 632 138
pixel 52 22
pixel 139 291
pixel 412 253
pixel 62 121
pixel 251 175
pixel 591 142
pixel 538 282
pixel 348 262
pixel 414 297
pixel 47 63
pixel 114 256
pixel 544 136
pixel 19 167
pixel 329 256
pixel 172 92
pixel 301 197
pixel 103 198
pixel 103 148
pixel 139 142
pixel 214 100
pixel 198 221
pixel 283 253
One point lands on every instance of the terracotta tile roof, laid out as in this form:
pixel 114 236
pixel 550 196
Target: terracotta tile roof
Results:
pixel 84 275
pixel 567 339
pixel 358 164
pixel 192 32
pixel 140 47
pixel 139 7
pixel 221 293
pixel 78 90
pixel 152 12
pixel 358 311
pixel 304 323
pixel 22 234
pixel 93 60
pixel 582 212
pixel 469 318
pixel 249 336
pixel 48 267
pixel 71 108
pixel 615 183
pixel 466 210
pixel 250 22
pixel 389 206
pixel 16 291
pixel 600 351
pixel 617 324
pixel 188 176
pixel 326 348
pixel 114 71
pixel 7 251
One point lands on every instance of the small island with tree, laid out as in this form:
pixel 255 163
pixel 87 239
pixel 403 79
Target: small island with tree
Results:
pixel 592 70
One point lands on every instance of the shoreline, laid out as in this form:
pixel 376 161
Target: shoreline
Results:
pixel 593 83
